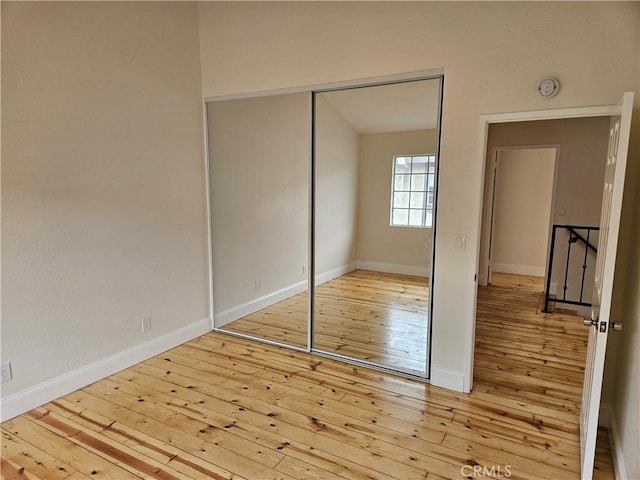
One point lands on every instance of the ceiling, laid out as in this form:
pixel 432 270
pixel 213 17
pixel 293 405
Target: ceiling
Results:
pixel 394 107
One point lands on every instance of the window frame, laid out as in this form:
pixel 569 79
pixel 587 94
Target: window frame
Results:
pixel 428 191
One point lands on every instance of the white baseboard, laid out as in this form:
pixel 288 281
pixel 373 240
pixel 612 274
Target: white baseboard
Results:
pixel 234 313
pixel 335 273
pixel 447 379
pixel 393 268
pixel 617 452
pixel 33 397
pixel 519 269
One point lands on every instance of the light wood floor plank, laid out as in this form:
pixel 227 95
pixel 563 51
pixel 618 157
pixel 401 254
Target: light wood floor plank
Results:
pixel 122 455
pixel 14 471
pixel 77 457
pixel 36 460
pixel 264 401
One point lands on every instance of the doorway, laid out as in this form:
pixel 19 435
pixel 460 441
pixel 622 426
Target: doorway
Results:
pixel 617 120
pixel 520 208
pixel 581 146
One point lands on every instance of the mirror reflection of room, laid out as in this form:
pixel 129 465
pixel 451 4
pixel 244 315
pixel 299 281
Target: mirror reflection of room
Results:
pixel 375 178
pixel 260 156
pixel 375 171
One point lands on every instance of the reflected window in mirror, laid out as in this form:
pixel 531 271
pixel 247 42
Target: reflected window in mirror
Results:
pixel 413 182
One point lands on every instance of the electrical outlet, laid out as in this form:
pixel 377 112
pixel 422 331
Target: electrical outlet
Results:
pixel 304 269
pixel 6 372
pixel 257 285
pixel 146 324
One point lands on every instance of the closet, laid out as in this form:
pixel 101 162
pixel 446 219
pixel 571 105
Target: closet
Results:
pixel 322 214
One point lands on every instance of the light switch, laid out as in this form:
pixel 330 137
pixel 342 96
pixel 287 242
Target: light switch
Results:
pixel 563 212
pixel 461 241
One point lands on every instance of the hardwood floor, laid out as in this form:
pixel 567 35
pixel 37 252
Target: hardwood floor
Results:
pixel 376 317
pixel 222 407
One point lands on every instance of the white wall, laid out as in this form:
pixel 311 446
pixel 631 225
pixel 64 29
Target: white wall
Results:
pixel 103 192
pixel 493 54
pixel 260 156
pixel 408 250
pixel 522 210
pixel 337 150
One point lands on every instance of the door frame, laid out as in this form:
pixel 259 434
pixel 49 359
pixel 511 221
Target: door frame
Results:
pixel 481 158
pixel 488 219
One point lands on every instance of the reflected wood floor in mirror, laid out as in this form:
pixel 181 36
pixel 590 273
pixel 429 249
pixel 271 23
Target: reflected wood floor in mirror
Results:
pixel 284 322
pixel 375 317
pixel 223 407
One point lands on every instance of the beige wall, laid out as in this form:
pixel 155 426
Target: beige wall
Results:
pixel 260 156
pixel 522 209
pixel 103 192
pixel 377 241
pixel 583 148
pixel 337 149
pixel 493 54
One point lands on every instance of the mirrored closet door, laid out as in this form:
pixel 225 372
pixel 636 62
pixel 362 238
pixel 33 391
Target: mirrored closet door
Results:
pixel 336 185
pixel 259 178
pixel 375 158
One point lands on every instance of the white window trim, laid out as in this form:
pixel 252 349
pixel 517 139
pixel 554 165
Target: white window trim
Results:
pixel 426 191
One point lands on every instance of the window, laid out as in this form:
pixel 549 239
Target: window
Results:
pixel 412 190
